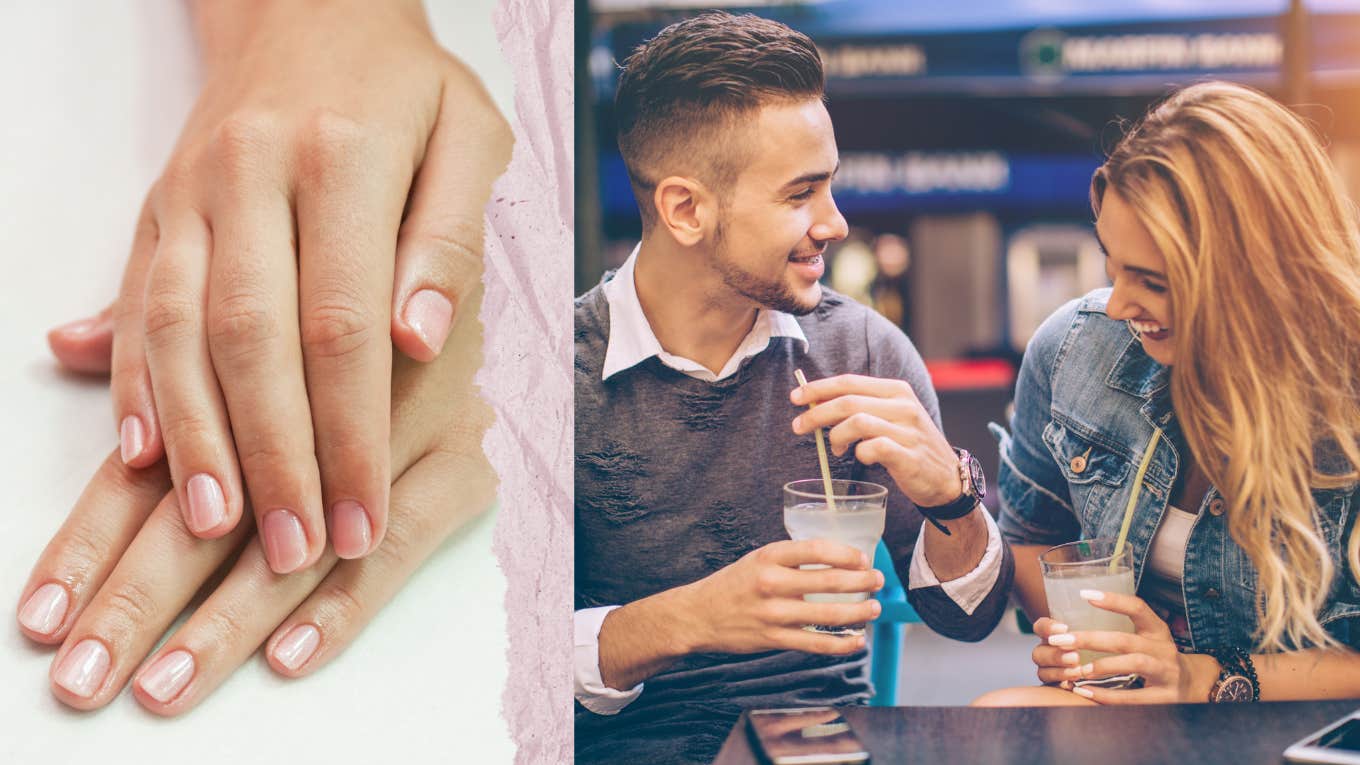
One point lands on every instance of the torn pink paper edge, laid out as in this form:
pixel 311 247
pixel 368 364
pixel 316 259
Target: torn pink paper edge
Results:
pixel 527 320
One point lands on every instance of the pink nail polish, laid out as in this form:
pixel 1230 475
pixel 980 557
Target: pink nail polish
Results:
pixel 45 608
pixel 297 646
pixel 167 676
pixel 430 314
pixel 78 327
pixel 82 670
pixel 131 438
pixel 351 532
pixel 285 541
pixel 207 505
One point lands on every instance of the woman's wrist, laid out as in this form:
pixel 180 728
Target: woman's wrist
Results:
pixel 1203 673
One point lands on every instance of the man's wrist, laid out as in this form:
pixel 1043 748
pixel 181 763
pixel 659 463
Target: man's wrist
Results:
pixel 657 624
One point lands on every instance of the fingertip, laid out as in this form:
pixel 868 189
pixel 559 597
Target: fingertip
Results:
pixel 426 318
pixel 292 649
pixel 351 530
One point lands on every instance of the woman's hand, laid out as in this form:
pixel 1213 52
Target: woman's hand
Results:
pixel 326 193
pixel 124 564
pixel 1169 676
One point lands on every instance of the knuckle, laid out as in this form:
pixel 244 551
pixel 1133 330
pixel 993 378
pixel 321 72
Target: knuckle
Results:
pixel 132 603
pixel 168 320
pixel 241 142
pixel 189 430
pixel 226 623
pixel 341 603
pixel 451 245
pixel 83 546
pixel 337 328
pixel 239 325
pixel 328 142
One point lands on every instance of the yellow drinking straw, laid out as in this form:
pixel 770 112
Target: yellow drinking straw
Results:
pixel 821 448
pixel 1133 497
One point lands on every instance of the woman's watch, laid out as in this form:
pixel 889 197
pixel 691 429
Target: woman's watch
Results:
pixel 1236 677
pixel 974 489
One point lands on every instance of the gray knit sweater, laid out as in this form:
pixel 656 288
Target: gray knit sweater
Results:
pixel 677 477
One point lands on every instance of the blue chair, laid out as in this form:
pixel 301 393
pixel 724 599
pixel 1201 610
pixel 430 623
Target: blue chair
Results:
pixel 886 653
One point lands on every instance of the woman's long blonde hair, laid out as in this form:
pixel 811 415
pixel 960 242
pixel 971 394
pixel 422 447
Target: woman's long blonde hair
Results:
pixel 1263 263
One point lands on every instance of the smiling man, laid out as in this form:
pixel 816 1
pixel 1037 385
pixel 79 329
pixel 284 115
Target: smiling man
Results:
pixel 689 594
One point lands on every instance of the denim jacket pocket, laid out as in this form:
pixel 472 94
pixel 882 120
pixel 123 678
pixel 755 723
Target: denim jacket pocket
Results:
pixel 1094 473
pixel 1082 459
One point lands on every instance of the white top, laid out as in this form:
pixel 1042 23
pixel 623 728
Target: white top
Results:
pixel 631 341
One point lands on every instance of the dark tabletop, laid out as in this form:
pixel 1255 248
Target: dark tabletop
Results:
pixel 1181 733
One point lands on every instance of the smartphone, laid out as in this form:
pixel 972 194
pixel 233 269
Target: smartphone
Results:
pixel 1337 743
pixel 807 736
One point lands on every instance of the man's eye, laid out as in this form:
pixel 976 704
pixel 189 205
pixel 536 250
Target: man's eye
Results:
pixel 804 194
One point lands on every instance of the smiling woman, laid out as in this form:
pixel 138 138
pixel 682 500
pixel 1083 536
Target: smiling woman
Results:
pixel 1235 262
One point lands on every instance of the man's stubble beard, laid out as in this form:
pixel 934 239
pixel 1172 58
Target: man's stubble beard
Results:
pixel 776 295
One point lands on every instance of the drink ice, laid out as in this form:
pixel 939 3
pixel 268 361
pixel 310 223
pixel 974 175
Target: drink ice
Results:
pixel 858 524
pixel 1066 605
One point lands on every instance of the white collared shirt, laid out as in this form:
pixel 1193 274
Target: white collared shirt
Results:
pixel 631 341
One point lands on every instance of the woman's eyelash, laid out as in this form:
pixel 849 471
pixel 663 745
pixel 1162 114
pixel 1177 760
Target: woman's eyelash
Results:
pixel 1153 286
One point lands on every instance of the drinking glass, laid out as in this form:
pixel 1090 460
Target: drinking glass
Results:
pixel 857 520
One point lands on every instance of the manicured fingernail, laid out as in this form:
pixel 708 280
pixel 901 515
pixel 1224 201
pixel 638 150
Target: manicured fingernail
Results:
pixel 1071 657
pixel 1062 640
pixel 1066 685
pixel 875 609
pixel 430 314
pixel 207 505
pixel 1088 669
pixel 78 327
pixel 297 646
pixel 351 533
pixel 45 609
pixel 1091 595
pixel 131 438
pixel 1081 691
pixel 167 676
pixel 1057 628
pixel 285 541
pixel 83 669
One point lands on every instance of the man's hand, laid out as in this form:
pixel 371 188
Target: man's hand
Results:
pixel 892 429
pixel 755 604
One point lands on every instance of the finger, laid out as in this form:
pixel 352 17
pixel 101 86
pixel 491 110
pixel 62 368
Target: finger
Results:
pixel 152 583
pixel 839 410
pixel 1052 656
pixel 85 345
pixel 844 385
pixel 349 204
pixel 1109 696
pixel 84 551
pixel 193 414
pixel 134 406
pixel 1123 664
pixel 808 641
pixel 254 342
pixel 1046 626
pixel 801 612
pixel 439 252
pixel 1145 620
pixel 1107 642
pixel 223 632
pixel 796 583
pixel 882 450
pixel 437 495
pixel 792 554
pixel 863 426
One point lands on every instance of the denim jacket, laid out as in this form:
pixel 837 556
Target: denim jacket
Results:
pixel 1088 390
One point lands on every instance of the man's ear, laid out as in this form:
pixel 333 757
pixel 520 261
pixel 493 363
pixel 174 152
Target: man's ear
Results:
pixel 686 209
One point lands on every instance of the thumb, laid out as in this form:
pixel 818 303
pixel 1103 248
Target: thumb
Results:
pixel 86 345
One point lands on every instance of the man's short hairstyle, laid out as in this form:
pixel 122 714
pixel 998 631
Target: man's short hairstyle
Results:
pixel 682 95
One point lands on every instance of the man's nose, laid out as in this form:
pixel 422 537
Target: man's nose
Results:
pixel 830 225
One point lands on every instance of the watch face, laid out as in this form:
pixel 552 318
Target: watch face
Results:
pixel 1235 689
pixel 975 476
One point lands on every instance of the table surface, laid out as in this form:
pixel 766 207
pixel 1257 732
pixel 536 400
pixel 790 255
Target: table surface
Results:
pixel 95 94
pixel 1242 734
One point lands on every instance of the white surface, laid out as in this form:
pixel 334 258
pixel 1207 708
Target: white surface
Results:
pixel 93 96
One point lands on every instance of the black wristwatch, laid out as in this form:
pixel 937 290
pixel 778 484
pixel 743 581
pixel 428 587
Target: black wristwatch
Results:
pixel 974 489
pixel 1237 681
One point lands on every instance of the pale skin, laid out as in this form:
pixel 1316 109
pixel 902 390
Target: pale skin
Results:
pixel 129 565
pixel 325 195
pixel 1137 270
pixel 780 207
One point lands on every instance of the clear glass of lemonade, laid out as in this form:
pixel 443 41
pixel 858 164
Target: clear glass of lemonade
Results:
pixel 860 509
pixel 1087 565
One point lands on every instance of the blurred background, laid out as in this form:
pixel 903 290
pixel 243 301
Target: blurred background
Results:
pixel 968 133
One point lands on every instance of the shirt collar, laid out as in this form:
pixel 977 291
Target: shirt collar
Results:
pixel 631 340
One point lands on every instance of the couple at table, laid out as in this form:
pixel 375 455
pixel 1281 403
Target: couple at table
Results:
pixel 1219 205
